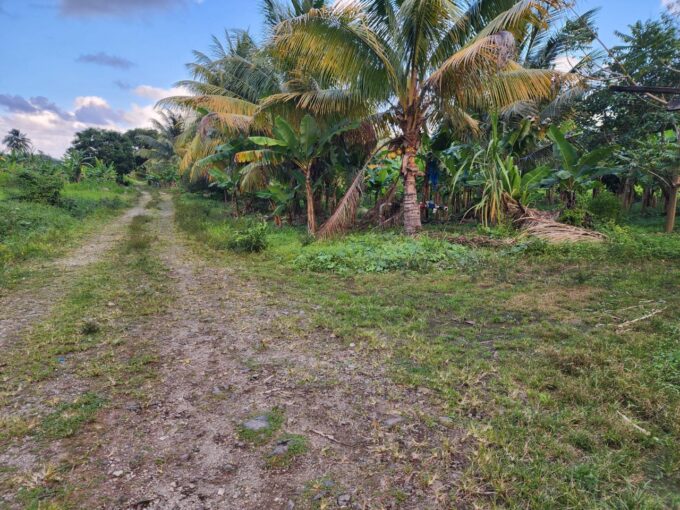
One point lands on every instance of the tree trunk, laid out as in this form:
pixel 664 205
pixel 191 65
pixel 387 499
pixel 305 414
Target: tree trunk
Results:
pixel 409 170
pixel 646 199
pixel 628 195
pixel 671 207
pixel 234 199
pixel 311 218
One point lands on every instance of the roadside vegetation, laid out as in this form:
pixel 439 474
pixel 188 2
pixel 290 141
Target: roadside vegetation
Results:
pixel 42 212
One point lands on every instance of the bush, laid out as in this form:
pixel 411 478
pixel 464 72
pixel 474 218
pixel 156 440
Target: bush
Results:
pixel 605 206
pixel 382 253
pixel 39 187
pixel 251 239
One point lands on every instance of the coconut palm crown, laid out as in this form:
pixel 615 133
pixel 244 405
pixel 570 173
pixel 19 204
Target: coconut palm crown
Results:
pixel 422 61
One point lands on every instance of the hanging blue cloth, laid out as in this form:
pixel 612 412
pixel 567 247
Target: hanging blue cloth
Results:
pixel 432 170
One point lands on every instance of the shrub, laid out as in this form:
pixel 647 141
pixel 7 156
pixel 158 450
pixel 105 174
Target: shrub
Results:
pixel 251 239
pixel 605 206
pixel 39 187
pixel 577 217
pixel 382 253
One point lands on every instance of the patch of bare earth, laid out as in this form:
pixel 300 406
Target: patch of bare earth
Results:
pixel 21 309
pixel 228 353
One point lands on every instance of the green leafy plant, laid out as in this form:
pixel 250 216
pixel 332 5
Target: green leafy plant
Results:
pixel 300 148
pixel 577 170
pixel 251 239
pixel 605 206
pixel 281 197
pixel 39 187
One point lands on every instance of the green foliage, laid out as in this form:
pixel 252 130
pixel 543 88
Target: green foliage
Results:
pixel 650 53
pixel 577 170
pixel 31 229
pixel 280 195
pixel 605 206
pixel 252 239
pixel 100 172
pixel 67 419
pixel 111 147
pixel 382 253
pixel 39 187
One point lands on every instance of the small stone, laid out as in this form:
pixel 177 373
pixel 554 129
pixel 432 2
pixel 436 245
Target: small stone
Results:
pixel 117 473
pixel 132 406
pixel 392 421
pixel 352 345
pixel 446 421
pixel 256 424
pixel 228 468
pixel 281 448
pixel 110 304
pixel 344 500
pixel 220 492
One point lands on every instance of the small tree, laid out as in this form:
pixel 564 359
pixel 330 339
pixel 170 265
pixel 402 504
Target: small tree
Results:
pixel 577 170
pixel 301 149
pixel 659 156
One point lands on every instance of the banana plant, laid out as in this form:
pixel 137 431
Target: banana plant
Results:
pixel 281 197
pixel 301 148
pixel 576 171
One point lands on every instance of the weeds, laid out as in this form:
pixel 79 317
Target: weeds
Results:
pixel 67 419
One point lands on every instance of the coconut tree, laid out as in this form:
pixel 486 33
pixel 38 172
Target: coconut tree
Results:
pixel 161 147
pixel 17 142
pixel 424 61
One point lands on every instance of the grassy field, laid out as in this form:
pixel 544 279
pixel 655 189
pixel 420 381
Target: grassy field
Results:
pixel 35 231
pixel 562 364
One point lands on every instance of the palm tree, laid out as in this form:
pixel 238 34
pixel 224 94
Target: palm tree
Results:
pixel 227 85
pixel 162 146
pixel 425 61
pixel 17 142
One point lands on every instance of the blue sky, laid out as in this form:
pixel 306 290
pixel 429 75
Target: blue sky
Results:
pixel 72 64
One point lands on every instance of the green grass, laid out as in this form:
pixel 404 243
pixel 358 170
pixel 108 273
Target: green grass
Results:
pixel 274 420
pixel 30 231
pixel 67 419
pixel 296 445
pixel 523 346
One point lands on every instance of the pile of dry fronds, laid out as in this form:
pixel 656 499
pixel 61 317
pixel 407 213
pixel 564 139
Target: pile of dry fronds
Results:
pixel 544 225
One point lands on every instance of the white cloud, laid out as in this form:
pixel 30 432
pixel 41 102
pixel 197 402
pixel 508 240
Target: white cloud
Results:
pixel 51 129
pixel 156 93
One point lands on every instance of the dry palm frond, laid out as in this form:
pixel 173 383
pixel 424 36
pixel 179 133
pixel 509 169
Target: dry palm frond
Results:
pixel 543 225
pixel 345 214
pixel 555 232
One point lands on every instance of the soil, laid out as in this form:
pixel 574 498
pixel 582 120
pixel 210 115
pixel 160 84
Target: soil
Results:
pixel 230 350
